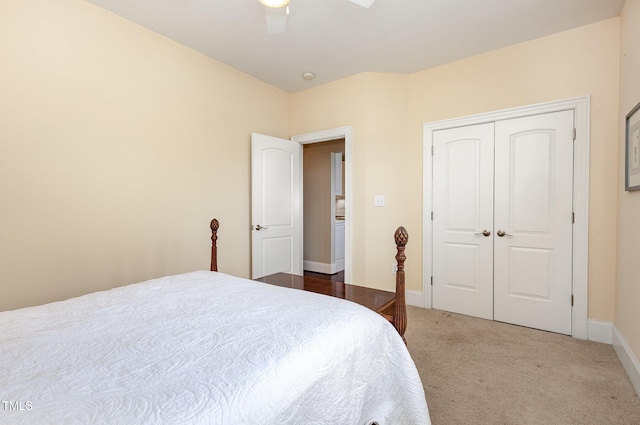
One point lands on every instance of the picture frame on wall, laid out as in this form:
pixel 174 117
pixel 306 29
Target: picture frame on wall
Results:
pixel 632 148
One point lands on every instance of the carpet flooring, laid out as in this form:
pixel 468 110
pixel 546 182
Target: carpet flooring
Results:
pixel 477 371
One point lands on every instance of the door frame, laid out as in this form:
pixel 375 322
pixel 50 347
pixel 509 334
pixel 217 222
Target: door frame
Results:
pixel 581 107
pixel 325 136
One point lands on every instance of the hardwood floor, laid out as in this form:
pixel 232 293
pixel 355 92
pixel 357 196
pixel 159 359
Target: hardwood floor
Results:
pixel 375 299
pixel 337 277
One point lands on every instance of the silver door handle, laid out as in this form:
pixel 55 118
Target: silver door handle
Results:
pixel 501 233
pixel 484 232
pixel 258 227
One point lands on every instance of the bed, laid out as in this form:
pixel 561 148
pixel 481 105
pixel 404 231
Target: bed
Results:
pixel 205 348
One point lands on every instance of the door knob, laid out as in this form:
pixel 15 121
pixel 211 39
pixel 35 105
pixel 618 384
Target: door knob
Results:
pixel 501 233
pixel 258 227
pixel 484 232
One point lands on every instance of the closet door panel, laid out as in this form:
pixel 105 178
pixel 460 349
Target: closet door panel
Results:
pixel 533 221
pixel 463 210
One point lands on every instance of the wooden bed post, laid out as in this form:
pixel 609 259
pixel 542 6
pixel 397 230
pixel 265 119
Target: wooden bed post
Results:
pixel 214 247
pixel 400 306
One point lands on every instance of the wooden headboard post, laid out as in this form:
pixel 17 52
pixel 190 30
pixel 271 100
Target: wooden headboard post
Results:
pixel 214 244
pixel 400 307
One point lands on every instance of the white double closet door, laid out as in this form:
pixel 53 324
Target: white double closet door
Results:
pixel 502 222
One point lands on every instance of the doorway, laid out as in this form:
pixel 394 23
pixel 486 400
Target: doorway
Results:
pixel 277 199
pixel 323 208
pixel 340 133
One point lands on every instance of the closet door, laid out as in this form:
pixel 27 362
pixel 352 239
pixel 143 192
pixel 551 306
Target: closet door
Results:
pixel 533 221
pixel 463 220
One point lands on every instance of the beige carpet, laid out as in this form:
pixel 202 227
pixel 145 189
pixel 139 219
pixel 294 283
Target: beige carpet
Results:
pixel 477 371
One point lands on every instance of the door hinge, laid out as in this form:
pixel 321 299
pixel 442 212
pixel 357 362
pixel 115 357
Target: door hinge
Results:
pixel 431 215
pixel 431 280
pixel 571 300
pixel 574 134
pixel 573 217
pixel 431 150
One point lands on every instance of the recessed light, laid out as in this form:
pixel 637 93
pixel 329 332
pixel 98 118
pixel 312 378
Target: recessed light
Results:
pixel 308 75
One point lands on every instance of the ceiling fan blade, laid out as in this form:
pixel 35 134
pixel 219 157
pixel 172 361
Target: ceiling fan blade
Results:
pixel 363 3
pixel 276 20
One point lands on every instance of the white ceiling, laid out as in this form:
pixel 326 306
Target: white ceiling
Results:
pixel 336 38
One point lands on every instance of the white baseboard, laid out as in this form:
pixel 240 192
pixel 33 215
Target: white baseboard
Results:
pixel 599 331
pixel 313 266
pixel 627 358
pixel 414 298
pixel 324 268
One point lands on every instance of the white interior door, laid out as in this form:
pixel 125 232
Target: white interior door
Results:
pixel 463 220
pixel 276 206
pixel 533 221
pixel 502 220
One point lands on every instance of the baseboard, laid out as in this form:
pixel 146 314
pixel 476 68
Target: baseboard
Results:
pixel 627 358
pixel 324 268
pixel 313 266
pixel 414 298
pixel 599 331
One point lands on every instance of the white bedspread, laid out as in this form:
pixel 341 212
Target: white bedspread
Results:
pixel 205 348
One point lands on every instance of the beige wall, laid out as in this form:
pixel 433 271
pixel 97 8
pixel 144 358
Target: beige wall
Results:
pixel 387 113
pixel 627 320
pixel 317 199
pixel 117 146
pixel 583 61
pixel 375 105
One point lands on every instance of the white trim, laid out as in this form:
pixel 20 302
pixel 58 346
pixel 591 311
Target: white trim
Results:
pixel 332 205
pixel 324 136
pixel 414 298
pixel 323 268
pixel 600 331
pixel 581 107
pixel 338 266
pixel 627 358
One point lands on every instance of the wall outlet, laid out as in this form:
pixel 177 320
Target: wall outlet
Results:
pixel 394 268
pixel 379 201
